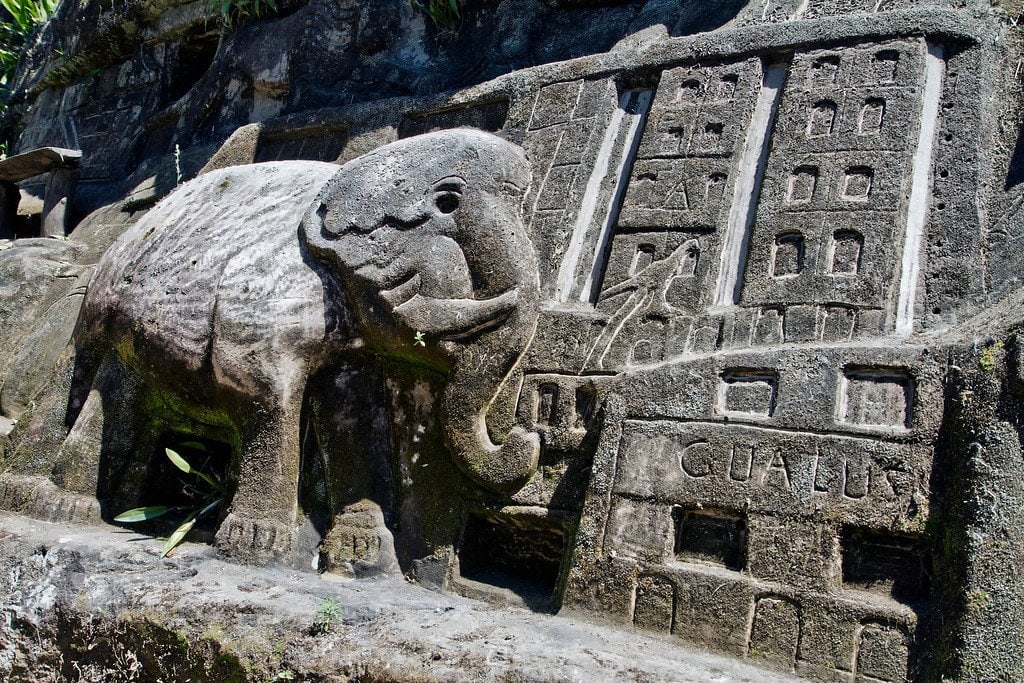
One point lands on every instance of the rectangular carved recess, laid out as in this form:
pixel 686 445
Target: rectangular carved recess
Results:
pixel 521 553
pixel 318 144
pixel 893 565
pixel 876 397
pixel 716 537
pixel 489 116
pixel 748 392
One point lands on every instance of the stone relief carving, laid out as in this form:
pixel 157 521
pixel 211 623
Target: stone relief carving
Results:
pixel 221 304
pixel 720 403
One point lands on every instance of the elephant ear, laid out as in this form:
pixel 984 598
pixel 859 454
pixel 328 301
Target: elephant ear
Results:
pixel 311 227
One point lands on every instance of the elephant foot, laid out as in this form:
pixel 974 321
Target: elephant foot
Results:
pixel 255 541
pixel 359 543
pixel 40 498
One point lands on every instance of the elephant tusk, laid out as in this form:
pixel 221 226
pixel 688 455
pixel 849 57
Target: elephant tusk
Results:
pixel 455 317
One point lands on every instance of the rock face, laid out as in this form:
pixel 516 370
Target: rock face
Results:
pixel 702 321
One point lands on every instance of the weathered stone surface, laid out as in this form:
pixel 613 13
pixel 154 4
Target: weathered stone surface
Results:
pixel 89 605
pixel 757 390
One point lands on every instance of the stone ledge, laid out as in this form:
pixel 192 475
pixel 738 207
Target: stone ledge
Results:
pixel 99 601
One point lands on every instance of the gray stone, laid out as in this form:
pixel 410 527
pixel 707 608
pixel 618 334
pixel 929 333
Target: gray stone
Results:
pixel 713 333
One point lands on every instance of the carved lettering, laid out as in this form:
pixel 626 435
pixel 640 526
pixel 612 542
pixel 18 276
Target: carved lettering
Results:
pixel 741 464
pixel 695 459
pixel 857 479
pixel 686 462
pixel 776 469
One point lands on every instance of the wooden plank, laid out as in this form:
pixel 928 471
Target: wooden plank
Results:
pixel 32 163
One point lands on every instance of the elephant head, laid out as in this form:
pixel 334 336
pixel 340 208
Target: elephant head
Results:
pixel 426 237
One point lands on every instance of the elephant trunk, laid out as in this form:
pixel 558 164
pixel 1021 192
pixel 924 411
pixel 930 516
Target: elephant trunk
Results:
pixel 472 389
pixel 491 361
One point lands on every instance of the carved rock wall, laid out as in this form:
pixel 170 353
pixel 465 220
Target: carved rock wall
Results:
pixel 775 376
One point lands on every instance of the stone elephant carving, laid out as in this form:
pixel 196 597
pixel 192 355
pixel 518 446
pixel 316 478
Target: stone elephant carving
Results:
pixel 224 300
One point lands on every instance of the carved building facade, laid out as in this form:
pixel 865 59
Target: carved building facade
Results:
pixel 764 252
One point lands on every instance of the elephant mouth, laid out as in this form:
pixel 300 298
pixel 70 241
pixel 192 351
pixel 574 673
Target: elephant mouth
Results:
pixel 393 222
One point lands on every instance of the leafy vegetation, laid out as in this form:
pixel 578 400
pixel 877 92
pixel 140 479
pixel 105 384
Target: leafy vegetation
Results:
pixel 989 357
pixel 445 14
pixel 25 17
pixel 328 613
pixel 207 497
pixel 233 12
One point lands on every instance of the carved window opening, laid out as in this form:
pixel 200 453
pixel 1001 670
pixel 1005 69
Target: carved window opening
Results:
pixel 643 257
pixel 585 406
pixel 857 184
pixel 775 631
pixel 802 184
pixel 716 537
pixel 654 603
pixel 824 70
pixel 872 117
pixel 882 652
pixel 520 553
pixel 788 255
pixel 884 64
pixel 750 392
pixel 194 57
pixel 821 119
pixel 884 563
pixel 847 246
pixel 714 188
pixel 711 137
pixel 689 91
pixel 727 88
pixel 547 405
pixel 877 397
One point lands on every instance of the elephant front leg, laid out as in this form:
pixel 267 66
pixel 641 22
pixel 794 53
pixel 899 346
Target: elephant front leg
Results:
pixel 260 527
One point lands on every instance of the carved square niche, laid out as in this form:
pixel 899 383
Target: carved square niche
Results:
pixel 716 537
pixel 748 393
pixel 876 397
pixel 884 563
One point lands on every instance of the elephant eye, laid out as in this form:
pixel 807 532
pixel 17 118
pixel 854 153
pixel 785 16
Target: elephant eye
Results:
pixel 447 201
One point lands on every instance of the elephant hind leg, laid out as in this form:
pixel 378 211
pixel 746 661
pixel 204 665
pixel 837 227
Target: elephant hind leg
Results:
pixel 100 454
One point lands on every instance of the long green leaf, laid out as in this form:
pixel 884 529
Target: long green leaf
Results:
pixel 185 467
pixel 194 445
pixel 142 514
pixel 179 462
pixel 179 535
pixel 208 508
pixel 209 480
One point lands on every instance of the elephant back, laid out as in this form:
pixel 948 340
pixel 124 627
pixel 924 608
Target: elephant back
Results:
pixel 224 244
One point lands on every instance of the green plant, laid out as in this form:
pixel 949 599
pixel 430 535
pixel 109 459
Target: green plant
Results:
pixel 207 498
pixel 989 356
pixel 328 612
pixel 233 12
pixel 445 14
pixel 26 15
